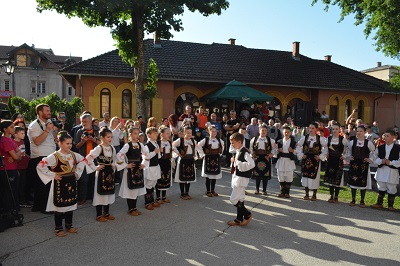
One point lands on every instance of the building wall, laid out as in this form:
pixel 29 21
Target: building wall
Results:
pixel 163 105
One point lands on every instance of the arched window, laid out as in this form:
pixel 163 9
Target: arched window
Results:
pixel 105 101
pixel 347 110
pixel 186 99
pixel 127 104
pixel 361 110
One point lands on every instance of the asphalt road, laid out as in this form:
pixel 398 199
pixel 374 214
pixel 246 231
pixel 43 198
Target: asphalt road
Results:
pixel 283 232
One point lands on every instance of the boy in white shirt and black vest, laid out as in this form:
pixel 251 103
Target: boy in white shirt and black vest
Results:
pixel 152 172
pixel 387 177
pixel 243 165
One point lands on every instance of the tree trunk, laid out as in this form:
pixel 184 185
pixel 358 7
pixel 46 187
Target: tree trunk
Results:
pixel 139 67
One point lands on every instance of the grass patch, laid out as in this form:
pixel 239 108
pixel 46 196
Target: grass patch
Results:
pixel 345 193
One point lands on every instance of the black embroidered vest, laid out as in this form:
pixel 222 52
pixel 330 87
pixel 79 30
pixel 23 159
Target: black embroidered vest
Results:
pixel 394 154
pixel 337 150
pixel 246 174
pixel 105 160
pixel 154 160
pixel 316 149
pixel 267 145
pixel 183 149
pixel 292 145
pixel 208 147
pixel 360 152
pixel 134 154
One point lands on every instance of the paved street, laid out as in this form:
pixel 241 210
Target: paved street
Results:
pixel 283 232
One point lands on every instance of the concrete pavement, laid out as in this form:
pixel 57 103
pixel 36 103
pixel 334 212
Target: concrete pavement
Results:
pixel 283 232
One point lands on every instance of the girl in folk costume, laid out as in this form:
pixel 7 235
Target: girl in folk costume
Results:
pixel 311 149
pixel 65 167
pixel 387 177
pixel 152 172
pixel 285 164
pixel 185 173
pixel 104 186
pixel 262 149
pixel 131 162
pixel 211 149
pixel 164 183
pixel 337 146
pixel 360 153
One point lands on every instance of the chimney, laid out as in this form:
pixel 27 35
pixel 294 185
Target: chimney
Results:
pixel 157 40
pixel 378 64
pixel 296 50
pixel 232 41
pixel 328 58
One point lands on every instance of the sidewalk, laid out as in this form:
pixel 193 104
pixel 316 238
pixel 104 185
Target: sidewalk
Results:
pixel 283 232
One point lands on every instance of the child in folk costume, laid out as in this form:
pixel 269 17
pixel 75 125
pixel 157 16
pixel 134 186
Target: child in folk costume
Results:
pixel 334 176
pixel 311 149
pixel 387 177
pixel 152 171
pixel 243 165
pixel 164 183
pixel 360 154
pixel 262 149
pixel 104 186
pixel 130 160
pixel 185 172
pixel 211 149
pixel 285 164
pixel 65 167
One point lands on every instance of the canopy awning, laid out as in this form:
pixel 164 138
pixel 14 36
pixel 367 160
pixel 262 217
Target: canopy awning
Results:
pixel 238 91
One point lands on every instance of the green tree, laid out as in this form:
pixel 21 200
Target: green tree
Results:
pixel 27 108
pixel 380 17
pixel 129 20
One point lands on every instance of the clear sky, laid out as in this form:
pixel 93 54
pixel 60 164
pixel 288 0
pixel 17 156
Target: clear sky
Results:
pixel 262 24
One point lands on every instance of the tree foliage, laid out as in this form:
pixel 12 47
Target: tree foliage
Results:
pixel 27 108
pixel 151 85
pixel 129 20
pixel 381 18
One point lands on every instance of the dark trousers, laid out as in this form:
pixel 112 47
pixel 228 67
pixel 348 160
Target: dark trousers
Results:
pixel 59 216
pixel 8 190
pixel 86 186
pixel 41 191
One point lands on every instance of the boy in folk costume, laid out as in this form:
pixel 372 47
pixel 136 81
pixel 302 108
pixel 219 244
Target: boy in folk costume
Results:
pixel 131 161
pixel 360 154
pixel 62 168
pixel 286 165
pixel 211 149
pixel 262 149
pixel 152 172
pixel 243 165
pixel 185 172
pixel 311 149
pixel 104 186
pixel 164 183
pixel 387 177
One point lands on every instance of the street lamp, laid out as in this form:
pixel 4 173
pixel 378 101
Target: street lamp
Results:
pixel 9 67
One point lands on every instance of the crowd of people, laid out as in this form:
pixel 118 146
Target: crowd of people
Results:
pixel 69 166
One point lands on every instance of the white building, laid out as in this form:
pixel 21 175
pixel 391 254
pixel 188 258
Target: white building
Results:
pixel 36 73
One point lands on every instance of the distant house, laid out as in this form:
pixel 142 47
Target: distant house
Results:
pixel 189 71
pixel 383 72
pixel 36 73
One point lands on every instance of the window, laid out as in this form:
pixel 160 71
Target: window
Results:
pixel 347 110
pixel 38 86
pixel 126 104
pixel 6 85
pixel 41 88
pixel 69 91
pixel 360 109
pixel 105 101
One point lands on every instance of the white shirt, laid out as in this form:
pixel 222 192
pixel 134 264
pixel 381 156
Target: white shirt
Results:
pixel 48 146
